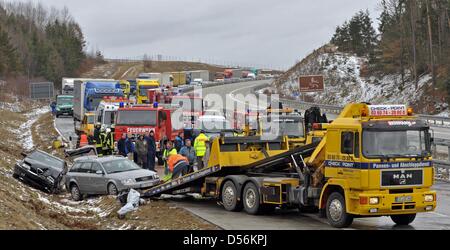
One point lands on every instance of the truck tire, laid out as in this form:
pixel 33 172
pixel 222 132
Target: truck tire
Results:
pixel 251 199
pixel 403 219
pixel 230 197
pixel 337 212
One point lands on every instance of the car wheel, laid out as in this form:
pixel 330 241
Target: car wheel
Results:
pixel 230 197
pixel 75 192
pixel 112 189
pixel 15 176
pixel 403 219
pixel 337 212
pixel 251 199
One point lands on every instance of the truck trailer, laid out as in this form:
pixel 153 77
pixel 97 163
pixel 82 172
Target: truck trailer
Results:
pixel 371 161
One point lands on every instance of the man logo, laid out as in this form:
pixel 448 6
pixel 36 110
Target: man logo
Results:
pixel 402 177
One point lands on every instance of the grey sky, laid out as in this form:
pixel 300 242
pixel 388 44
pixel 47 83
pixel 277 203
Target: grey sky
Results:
pixel 259 32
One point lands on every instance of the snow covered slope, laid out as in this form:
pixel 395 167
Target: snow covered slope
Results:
pixel 346 82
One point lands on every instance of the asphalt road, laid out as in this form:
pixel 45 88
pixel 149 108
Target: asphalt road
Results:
pixel 293 220
pixel 210 211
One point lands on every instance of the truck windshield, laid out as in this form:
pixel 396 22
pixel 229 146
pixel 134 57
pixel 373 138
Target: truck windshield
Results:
pixel 188 105
pixel 284 127
pixel 406 143
pixel 109 118
pixel 137 118
pixel 143 89
pixel 65 101
pixel 91 119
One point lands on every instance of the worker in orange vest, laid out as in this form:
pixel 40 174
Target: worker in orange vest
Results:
pixel 178 165
pixel 83 140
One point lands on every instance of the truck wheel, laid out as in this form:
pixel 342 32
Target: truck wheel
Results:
pixel 75 192
pixel 336 211
pixel 230 197
pixel 251 199
pixel 403 219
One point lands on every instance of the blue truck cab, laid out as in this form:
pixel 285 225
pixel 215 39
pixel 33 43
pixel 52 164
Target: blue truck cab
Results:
pixel 96 91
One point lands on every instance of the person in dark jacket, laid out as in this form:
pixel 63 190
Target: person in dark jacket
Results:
pixel 189 152
pixel 141 150
pixel 151 151
pixel 179 141
pixel 131 148
pixel 122 146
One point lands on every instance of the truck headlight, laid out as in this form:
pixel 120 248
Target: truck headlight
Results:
pixel 374 200
pixel 429 198
pixel 128 181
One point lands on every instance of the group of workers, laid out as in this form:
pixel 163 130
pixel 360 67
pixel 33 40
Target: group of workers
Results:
pixel 180 157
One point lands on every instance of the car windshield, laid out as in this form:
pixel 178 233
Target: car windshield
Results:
pixel 137 117
pixel 46 159
pixel 406 143
pixel 65 100
pixel 188 105
pixel 120 166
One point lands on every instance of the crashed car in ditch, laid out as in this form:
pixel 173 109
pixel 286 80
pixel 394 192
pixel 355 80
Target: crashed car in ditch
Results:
pixel 47 172
pixel 111 175
pixel 41 170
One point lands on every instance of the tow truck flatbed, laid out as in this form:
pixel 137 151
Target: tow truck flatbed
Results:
pixel 183 183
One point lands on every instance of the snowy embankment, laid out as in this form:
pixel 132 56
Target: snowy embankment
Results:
pixel 23 133
pixel 345 83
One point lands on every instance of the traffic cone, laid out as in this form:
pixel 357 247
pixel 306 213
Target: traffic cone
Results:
pixel 83 140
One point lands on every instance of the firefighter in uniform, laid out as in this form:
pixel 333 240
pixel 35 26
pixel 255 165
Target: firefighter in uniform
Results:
pixel 97 140
pixel 102 142
pixel 108 146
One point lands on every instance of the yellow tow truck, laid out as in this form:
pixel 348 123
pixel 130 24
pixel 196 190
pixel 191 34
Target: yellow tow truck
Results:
pixel 373 160
pixel 143 85
pixel 87 124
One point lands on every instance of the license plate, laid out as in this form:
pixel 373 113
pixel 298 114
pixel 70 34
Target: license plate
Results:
pixel 65 113
pixel 403 199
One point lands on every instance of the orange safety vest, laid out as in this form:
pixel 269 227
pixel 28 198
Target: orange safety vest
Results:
pixel 83 140
pixel 174 159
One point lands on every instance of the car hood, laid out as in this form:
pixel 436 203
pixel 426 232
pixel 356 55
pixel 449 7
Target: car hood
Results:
pixel 133 174
pixel 50 170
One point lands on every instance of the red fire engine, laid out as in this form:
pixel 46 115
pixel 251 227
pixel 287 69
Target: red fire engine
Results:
pixel 141 119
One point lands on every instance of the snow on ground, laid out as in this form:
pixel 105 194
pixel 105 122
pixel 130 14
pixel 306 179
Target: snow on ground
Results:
pixel 344 83
pixel 24 131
